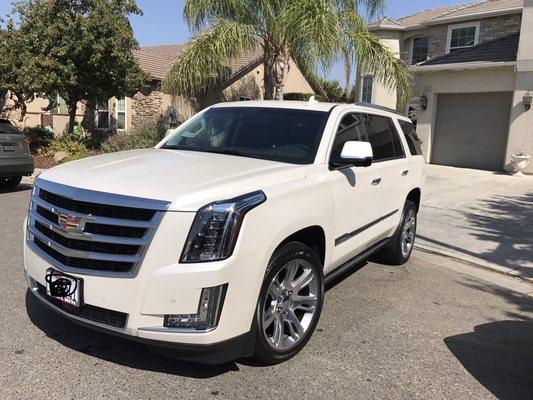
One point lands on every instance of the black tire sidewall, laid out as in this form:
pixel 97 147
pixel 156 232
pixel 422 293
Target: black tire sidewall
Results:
pixel 263 352
pixel 408 206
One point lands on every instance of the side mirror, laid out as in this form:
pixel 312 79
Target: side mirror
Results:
pixel 358 154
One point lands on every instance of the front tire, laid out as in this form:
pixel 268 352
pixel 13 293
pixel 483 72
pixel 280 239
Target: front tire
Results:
pixel 398 250
pixel 289 304
pixel 10 182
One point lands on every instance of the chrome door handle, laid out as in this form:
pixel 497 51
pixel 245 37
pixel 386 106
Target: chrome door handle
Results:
pixel 405 172
pixel 376 181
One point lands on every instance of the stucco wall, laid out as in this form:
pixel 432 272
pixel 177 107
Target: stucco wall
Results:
pixel 475 81
pixel 34 111
pixel 381 94
pixel 521 124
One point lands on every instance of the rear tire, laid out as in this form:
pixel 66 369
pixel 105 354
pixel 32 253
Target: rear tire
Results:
pixel 289 303
pixel 400 246
pixel 10 182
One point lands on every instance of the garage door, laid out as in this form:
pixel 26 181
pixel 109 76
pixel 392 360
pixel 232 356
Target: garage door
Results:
pixel 471 130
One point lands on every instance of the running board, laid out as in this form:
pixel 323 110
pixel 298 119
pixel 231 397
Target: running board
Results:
pixel 341 269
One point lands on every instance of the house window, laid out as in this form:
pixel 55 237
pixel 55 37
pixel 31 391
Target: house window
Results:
pixel 420 50
pixel 102 115
pixel 244 98
pixel 121 113
pixel 462 36
pixel 366 89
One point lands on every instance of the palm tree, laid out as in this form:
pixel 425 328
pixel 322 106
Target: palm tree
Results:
pixel 313 33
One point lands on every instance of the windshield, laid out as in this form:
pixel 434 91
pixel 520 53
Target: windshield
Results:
pixel 285 135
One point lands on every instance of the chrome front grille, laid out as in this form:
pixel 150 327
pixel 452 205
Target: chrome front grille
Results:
pixel 89 232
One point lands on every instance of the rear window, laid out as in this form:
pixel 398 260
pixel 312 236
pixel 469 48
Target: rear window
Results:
pixel 383 138
pixel 412 138
pixel 7 128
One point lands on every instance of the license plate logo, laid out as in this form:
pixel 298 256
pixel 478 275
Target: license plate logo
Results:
pixel 63 287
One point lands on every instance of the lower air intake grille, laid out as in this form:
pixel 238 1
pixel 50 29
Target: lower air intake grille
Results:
pixel 93 313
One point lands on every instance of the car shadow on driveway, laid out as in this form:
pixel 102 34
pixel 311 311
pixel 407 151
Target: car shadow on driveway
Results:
pixel 114 349
pixel 499 355
pixel 20 188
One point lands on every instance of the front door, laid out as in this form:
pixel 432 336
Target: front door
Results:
pixel 356 192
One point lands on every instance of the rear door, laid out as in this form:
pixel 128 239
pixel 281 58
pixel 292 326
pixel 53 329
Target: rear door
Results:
pixel 390 168
pixel 356 197
pixel 12 142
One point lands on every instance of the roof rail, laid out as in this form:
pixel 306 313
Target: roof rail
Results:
pixel 375 106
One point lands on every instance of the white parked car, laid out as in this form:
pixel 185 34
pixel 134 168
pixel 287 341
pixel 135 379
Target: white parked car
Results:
pixel 216 244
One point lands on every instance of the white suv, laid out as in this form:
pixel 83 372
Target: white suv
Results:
pixel 216 244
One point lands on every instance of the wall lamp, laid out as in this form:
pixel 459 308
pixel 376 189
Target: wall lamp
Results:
pixel 527 100
pixel 423 102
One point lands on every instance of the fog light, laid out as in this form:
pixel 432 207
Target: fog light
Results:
pixel 209 309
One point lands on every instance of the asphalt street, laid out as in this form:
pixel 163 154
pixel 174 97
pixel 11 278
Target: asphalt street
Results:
pixel 420 331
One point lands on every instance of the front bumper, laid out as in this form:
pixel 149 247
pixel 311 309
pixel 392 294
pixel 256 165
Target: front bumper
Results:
pixel 16 166
pixel 163 286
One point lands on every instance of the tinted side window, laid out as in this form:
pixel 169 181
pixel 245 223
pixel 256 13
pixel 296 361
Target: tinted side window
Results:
pixel 351 128
pixel 397 143
pixel 412 138
pixel 379 136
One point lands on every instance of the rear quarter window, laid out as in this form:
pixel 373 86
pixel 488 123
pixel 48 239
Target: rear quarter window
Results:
pixel 7 128
pixel 411 137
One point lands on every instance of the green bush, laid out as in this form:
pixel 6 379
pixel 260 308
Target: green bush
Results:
pixel 38 137
pixel 69 144
pixel 147 135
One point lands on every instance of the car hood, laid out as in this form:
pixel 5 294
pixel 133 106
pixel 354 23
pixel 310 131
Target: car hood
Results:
pixel 186 179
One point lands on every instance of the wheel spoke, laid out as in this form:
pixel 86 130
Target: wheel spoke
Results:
pixel 275 289
pixel 269 317
pixel 303 280
pixel 292 270
pixel 409 224
pixel 277 336
pixel 295 326
pixel 304 303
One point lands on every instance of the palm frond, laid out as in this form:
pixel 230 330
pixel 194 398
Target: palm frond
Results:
pixel 375 58
pixel 313 26
pixel 201 13
pixel 208 55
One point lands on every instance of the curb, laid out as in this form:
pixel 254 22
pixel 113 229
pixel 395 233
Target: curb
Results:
pixel 474 263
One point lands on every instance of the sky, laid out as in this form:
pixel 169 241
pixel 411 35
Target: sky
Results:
pixel 162 21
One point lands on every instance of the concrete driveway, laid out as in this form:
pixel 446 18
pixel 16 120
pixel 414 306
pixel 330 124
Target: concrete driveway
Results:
pixel 482 217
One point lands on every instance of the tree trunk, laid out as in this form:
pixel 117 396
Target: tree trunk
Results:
pixel 71 116
pixel 277 64
pixel 347 75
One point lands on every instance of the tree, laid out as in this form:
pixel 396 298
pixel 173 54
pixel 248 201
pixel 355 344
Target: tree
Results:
pixel 313 33
pixel 333 90
pixel 78 49
pixel 16 80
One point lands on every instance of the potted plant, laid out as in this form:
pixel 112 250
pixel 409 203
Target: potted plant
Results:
pixel 519 161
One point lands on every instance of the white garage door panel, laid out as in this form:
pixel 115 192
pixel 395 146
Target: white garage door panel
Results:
pixel 471 130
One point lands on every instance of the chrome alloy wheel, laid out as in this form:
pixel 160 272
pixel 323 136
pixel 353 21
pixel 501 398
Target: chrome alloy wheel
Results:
pixel 290 304
pixel 408 232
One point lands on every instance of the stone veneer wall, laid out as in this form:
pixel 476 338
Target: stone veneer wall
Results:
pixel 490 28
pixel 493 28
pixel 146 105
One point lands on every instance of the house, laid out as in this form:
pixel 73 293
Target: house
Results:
pixel 473 80
pixel 243 81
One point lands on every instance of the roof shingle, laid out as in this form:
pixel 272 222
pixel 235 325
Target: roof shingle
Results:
pixel 498 50
pixel 442 14
pixel 157 61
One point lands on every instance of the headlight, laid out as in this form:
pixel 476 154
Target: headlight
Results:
pixel 216 226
